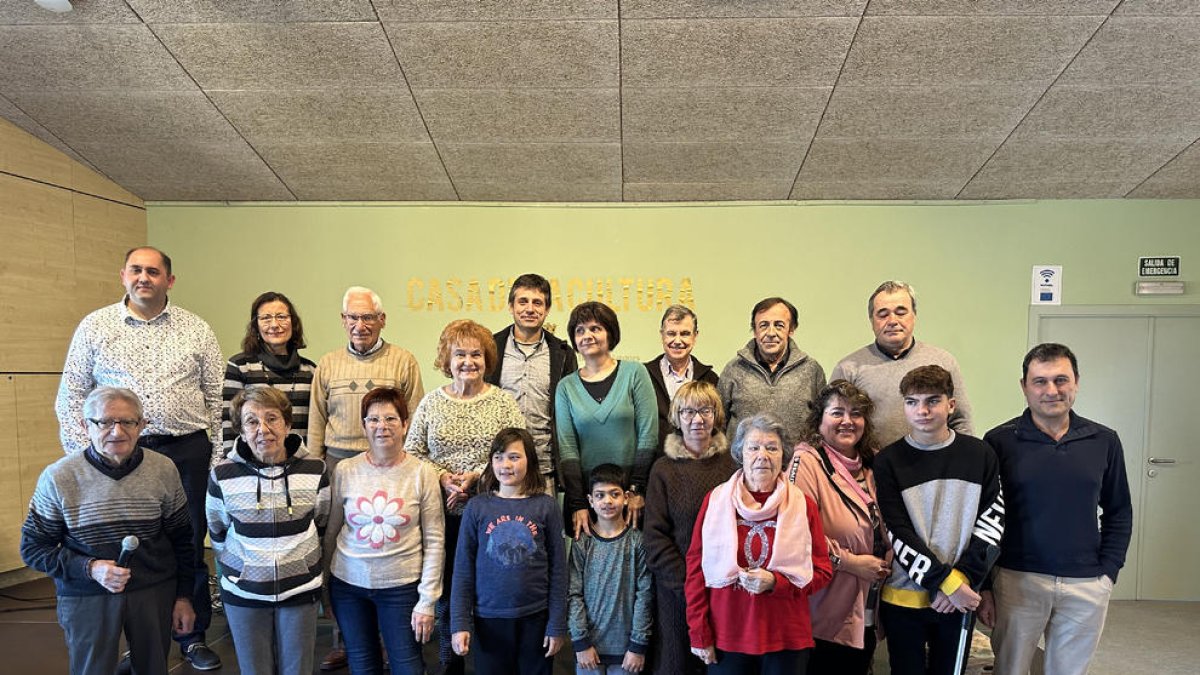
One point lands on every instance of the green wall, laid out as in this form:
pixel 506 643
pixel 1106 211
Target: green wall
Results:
pixel 970 263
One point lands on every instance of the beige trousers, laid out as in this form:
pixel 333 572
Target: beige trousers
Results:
pixel 1067 611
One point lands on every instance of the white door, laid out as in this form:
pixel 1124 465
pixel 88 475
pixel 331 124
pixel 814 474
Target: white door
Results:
pixel 1139 373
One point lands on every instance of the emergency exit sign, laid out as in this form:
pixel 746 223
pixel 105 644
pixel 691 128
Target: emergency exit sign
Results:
pixel 1159 266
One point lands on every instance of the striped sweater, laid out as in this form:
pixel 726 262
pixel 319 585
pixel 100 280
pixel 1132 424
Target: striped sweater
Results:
pixel 943 510
pixel 266 524
pixel 245 371
pixel 82 509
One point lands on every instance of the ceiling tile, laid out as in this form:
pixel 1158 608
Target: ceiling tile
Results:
pixel 26 12
pixel 1140 50
pixel 717 113
pixel 1177 179
pixel 677 9
pixel 1155 111
pixel 83 117
pixel 539 192
pixel 284 56
pixel 258 11
pixel 532 163
pixel 875 188
pixel 504 54
pixel 964 50
pixel 304 166
pixel 187 170
pixel 1113 166
pixel 699 192
pixel 66 58
pixel 514 115
pixel 970 111
pixel 493 10
pixel 379 115
pixel 991 7
pixel 1159 8
pixel 712 162
pixel 734 52
pixel 952 160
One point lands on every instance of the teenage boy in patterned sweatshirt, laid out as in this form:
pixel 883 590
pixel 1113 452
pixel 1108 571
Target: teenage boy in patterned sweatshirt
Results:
pixel 939 492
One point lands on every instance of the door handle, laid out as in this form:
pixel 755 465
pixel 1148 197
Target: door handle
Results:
pixel 1161 460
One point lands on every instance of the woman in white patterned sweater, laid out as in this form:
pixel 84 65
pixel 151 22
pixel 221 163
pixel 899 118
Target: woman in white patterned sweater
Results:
pixel 453 428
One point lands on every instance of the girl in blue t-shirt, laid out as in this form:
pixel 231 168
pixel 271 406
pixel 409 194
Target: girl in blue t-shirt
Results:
pixel 510 571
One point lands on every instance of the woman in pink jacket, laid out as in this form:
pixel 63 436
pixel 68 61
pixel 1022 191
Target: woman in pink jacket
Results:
pixel 833 467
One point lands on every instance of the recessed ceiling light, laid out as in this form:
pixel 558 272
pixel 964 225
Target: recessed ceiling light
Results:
pixel 55 5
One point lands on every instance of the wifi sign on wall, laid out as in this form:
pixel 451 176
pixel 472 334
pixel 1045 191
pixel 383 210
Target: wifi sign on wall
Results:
pixel 1047 285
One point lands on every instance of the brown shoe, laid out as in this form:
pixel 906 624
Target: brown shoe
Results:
pixel 334 660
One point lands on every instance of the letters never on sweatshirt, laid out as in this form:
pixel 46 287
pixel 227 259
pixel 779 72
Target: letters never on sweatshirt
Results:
pixel 510 562
pixel 943 508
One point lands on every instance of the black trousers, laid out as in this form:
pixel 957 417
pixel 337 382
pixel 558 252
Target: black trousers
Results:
pixel 920 641
pixel 786 662
pixel 509 646
pixel 191 455
pixel 452 663
pixel 831 658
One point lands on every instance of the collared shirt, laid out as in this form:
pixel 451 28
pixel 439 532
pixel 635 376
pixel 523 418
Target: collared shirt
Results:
pixel 912 342
pixel 673 380
pixel 172 361
pixel 527 378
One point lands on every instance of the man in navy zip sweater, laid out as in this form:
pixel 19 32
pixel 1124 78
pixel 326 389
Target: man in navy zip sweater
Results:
pixel 1057 567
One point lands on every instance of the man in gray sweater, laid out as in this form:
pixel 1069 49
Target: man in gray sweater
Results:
pixel 878 368
pixel 770 374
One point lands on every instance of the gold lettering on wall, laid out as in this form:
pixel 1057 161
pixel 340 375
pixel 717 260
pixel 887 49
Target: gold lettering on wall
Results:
pixel 623 294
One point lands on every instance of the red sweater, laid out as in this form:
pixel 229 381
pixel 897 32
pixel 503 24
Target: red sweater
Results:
pixel 737 621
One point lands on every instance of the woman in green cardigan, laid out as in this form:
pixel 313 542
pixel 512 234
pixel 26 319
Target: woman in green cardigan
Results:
pixel 606 413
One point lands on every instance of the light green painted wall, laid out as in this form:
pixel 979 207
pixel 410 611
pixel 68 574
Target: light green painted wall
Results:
pixel 970 262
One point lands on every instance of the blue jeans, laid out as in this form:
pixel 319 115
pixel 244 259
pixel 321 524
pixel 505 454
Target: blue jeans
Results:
pixel 365 613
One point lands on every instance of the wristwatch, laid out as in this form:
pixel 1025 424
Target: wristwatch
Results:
pixel 836 560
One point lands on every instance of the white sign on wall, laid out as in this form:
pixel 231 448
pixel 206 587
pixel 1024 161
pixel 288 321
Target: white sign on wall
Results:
pixel 1047 285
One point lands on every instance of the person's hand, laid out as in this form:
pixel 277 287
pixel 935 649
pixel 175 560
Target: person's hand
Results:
pixel 964 599
pixel 461 642
pixel 452 487
pixel 582 524
pixel 633 509
pixel 422 626
pixel 633 663
pixel 468 480
pixel 553 643
pixel 183 618
pixel 109 575
pixel 865 567
pixel 987 609
pixel 708 655
pixel 756 581
pixel 588 659
pixel 942 604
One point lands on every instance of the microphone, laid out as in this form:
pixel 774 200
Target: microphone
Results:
pixel 128 546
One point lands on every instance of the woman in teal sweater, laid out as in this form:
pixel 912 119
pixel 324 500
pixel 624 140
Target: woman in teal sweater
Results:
pixel 606 413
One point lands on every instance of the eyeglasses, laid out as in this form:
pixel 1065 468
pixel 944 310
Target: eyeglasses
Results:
pixel 365 318
pixel 686 414
pixel 278 318
pixel 107 425
pixel 375 420
pixel 251 424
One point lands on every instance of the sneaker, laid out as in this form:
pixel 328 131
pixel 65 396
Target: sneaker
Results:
pixel 201 657
pixel 334 660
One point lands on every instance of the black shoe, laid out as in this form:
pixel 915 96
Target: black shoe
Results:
pixel 201 657
pixel 124 666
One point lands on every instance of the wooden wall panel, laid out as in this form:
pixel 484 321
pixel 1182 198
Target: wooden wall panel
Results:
pixel 103 232
pixel 37 427
pixel 22 154
pixel 37 298
pixel 89 182
pixel 12 508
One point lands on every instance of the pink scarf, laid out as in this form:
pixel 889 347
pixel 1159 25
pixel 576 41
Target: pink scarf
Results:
pixel 844 466
pixel 791 552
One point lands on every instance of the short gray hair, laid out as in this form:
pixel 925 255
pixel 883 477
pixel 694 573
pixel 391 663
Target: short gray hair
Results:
pixel 677 313
pixel 376 302
pixel 100 397
pixel 767 424
pixel 892 286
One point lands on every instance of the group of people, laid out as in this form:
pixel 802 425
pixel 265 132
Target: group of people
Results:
pixel 760 521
